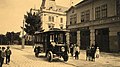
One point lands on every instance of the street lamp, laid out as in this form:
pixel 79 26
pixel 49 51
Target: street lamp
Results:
pixel 23 38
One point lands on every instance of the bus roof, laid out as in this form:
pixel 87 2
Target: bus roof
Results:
pixel 52 30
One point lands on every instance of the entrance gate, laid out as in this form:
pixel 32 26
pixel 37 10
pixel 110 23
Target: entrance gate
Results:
pixel 84 38
pixel 102 39
pixel 119 40
pixel 73 37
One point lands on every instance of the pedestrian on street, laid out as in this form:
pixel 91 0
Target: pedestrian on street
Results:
pixel 93 52
pixel 96 45
pixel 88 51
pixel 8 53
pixel 77 52
pixel 71 49
pixel 2 56
pixel 97 54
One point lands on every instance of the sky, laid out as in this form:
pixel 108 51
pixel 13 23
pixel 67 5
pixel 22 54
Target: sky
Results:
pixel 12 12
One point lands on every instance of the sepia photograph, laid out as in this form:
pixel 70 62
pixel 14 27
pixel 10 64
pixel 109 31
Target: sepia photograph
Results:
pixel 59 33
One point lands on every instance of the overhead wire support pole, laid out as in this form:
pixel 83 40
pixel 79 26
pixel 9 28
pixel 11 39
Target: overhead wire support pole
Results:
pixel 23 38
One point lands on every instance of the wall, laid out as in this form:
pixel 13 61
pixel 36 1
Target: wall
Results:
pixel 57 22
pixel 113 38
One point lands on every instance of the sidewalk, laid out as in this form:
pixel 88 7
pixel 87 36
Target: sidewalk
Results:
pixel 105 60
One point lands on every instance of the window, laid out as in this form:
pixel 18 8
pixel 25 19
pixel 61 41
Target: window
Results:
pixel 61 20
pixel 82 17
pixel 97 13
pixel 52 26
pixel 50 18
pixel 72 10
pixel 85 16
pixel 49 26
pixel 101 11
pixel 61 27
pixel 60 38
pixel 44 14
pixel 75 18
pixel 118 7
pixel 50 8
pixel 70 22
pixel 70 19
pixel 104 11
pixel 51 37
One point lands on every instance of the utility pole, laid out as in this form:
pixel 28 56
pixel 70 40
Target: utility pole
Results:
pixel 0 39
pixel 23 38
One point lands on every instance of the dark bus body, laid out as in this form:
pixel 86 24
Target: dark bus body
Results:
pixel 52 43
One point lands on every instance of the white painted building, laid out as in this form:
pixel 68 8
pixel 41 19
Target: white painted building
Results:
pixel 52 15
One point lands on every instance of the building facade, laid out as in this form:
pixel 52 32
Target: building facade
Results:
pixel 52 15
pixel 95 22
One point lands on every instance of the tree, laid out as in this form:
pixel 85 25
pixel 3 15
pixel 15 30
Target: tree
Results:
pixel 13 37
pixel 33 23
pixel 3 39
pixel 8 36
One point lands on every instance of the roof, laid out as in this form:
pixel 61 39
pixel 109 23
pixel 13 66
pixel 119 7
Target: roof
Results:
pixel 80 4
pixel 70 8
pixel 84 2
pixel 51 4
pixel 61 8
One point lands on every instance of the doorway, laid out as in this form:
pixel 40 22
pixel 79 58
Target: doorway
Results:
pixel 102 39
pixel 84 38
pixel 118 34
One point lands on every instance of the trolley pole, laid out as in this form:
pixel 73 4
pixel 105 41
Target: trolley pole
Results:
pixel 23 38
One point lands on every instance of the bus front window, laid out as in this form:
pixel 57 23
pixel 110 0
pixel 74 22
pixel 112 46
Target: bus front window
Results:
pixel 60 38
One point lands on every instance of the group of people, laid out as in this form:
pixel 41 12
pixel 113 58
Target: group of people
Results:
pixel 75 51
pixel 92 53
pixel 5 53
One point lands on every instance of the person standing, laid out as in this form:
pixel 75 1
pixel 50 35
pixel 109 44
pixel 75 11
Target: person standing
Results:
pixel 2 55
pixel 88 51
pixel 97 54
pixel 71 49
pixel 93 52
pixel 77 52
pixel 8 53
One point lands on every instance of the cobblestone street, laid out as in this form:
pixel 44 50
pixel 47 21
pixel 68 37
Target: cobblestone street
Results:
pixel 25 58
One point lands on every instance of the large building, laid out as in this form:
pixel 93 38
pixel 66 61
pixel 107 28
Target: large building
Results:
pixel 52 15
pixel 95 22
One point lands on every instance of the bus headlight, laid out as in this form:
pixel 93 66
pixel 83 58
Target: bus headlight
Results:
pixel 62 49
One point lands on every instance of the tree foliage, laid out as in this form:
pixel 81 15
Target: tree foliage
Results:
pixel 32 23
pixel 11 37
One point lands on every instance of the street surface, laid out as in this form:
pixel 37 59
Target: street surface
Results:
pixel 25 58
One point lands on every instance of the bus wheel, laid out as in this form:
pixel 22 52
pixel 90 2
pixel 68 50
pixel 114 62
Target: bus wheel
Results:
pixel 49 56
pixel 65 58
pixel 36 54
